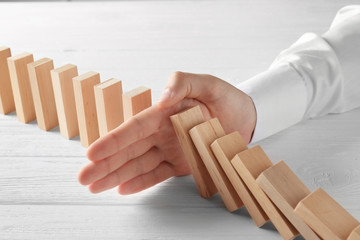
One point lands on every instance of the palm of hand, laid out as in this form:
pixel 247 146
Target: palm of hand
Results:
pixel 145 151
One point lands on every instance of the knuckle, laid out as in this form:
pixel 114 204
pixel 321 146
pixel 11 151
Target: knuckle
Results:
pixel 130 152
pixel 115 140
pixel 139 167
pixel 178 75
pixel 176 78
pixel 138 129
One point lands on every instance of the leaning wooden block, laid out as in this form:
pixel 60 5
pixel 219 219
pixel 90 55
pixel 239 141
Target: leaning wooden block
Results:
pixel 355 235
pixel 325 216
pixel 286 190
pixel 250 164
pixel 85 106
pixel 135 101
pixel 182 123
pixel 7 103
pixel 225 148
pixel 109 105
pixel 20 83
pixel 62 79
pixel 203 135
pixel 43 93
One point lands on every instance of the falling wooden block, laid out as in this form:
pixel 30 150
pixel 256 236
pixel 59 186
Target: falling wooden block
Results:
pixel 43 93
pixel 325 216
pixel 225 148
pixel 203 135
pixel 286 190
pixel 85 106
pixel 250 164
pixel 182 123
pixel 355 235
pixel 7 103
pixel 135 101
pixel 20 83
pixel 62 79
pixel 109 105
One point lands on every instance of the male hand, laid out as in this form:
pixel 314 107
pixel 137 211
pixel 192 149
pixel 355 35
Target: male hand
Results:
pixel 144 150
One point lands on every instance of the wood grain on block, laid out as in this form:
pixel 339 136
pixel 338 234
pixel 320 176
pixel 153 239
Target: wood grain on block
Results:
pixel 109 105
pixel 286 190
pixel 43 93
pixel 182 123
pixel 7 103
pixel 325 216
pixel 20 84
pixel 250 164
pixel 135 101
pixel 62 79
pixel 225 148
pixel 355 234
pixel 85 106
pixel 203 135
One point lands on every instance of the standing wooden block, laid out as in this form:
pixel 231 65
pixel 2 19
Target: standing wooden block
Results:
pixel 109 105
pixel 7 103
pixel 203 135
pixel 135 101
pixel 225 148
pixel 20 83
pixel 325 216
pixel 62 79
pixel 182 123
pixel 286 190
pixel 250 164
pixel 43 93
pixel 85 106
pixel 355 235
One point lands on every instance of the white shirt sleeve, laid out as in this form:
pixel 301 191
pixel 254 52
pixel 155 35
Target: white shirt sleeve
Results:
pixel 315 76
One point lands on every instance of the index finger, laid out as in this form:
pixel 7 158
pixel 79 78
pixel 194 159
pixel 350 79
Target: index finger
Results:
pixel 136 128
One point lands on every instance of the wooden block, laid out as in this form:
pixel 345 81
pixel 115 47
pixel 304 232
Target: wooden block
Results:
pixel 20 83
pixel 85 106
pixel 325 216
pixel 250 164
pixel 286 190
pixel 109 105
pixel 43 93
pixel 225 148
pixel 7 103
pixel 355 235
pixel 182 123
pixel 62 79
pixel 135 101
pixel 203 135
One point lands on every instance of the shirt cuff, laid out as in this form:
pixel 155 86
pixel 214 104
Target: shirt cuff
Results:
pixel 280 98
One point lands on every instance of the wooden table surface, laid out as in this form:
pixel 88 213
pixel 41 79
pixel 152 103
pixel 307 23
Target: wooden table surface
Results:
pixel 142 43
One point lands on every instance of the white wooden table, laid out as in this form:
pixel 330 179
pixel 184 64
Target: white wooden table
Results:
pixel 142 43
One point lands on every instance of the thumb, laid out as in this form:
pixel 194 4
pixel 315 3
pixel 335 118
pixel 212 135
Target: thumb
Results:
pixel 186 85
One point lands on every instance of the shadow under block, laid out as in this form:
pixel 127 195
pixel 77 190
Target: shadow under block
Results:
pixel 250 164
pixel 225 148
pixel 325 216
pixel 182 123
pixel 136 101
pixel 85 106
pixel 203 135
pixel 7 103
pixel 355 235
pixel 62 80
pixel 20 83
pixel 109 105
pixel 43 93
pixel 286 190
